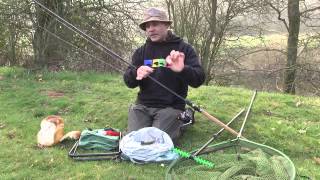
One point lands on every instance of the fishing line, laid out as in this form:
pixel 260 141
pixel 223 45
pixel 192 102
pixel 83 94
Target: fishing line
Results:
pixel 81 33
pixel 107 50
pixel 116 56
pixel 83 51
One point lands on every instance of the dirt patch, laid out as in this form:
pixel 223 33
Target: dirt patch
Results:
pixel 1 78
pixel 2 125
pixel 55 94
pixel 317 160
pixel 11 134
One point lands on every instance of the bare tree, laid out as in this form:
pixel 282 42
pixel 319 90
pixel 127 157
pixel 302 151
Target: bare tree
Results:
pixel 46 47
pixel 211 25
pixel 307 16
pixel 292 45
pixel 26 27
pixel 13 31
pixel 206 25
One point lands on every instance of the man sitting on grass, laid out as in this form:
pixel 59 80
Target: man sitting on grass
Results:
pixel 172 62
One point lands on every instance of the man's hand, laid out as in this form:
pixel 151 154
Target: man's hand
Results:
pixel 143 71
pixel 175 61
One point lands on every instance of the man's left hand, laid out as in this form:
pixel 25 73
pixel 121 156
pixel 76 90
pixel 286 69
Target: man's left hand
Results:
pixel 175 61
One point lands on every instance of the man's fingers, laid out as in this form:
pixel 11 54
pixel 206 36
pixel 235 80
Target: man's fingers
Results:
pixel 169 60
pixel 148 69
pixel 143 71
pixel 174 55
pixel 182 55
pixel 172 52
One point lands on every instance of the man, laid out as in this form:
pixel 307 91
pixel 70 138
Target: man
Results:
pixel 168 59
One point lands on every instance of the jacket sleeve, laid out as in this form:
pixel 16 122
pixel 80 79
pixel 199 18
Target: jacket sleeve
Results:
pixel 192 72
pixel 130 74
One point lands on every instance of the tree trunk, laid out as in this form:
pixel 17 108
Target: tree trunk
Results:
pixel 46 47
pixel 292 46
pixel 206 58
pixel 12 46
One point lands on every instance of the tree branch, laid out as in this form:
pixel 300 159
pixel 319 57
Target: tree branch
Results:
pixel 279 15
pixel 259 50
pixel 309 10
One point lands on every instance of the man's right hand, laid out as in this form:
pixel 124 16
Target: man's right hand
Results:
pixel 143 71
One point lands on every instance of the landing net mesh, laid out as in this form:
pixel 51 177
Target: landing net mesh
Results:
pixel 236 161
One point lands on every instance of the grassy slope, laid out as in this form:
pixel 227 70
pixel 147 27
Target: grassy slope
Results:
pixel 288 123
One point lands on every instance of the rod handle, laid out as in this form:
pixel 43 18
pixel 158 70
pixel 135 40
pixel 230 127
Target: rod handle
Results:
pixel 218 122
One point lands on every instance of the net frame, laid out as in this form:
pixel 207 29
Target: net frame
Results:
pixel 238 143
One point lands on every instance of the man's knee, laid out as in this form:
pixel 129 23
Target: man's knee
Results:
pixel 138 117
pixel 166 120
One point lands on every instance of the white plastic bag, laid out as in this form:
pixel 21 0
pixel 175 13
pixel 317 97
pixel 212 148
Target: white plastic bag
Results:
pixel 146 145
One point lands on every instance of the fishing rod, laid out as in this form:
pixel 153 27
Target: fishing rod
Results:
pixel 194 156
pixel 215 136
pixel 105 49
pixel 78 48
pixel 117 57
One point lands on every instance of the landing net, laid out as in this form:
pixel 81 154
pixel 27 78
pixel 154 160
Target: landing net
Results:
pixel 236 159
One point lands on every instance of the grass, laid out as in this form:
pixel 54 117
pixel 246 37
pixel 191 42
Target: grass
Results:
pixel 288 123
